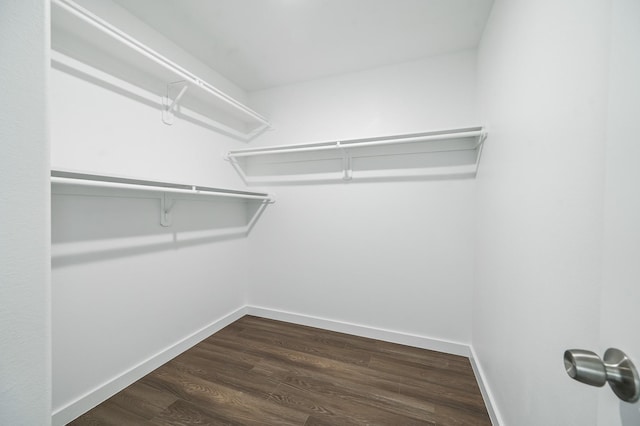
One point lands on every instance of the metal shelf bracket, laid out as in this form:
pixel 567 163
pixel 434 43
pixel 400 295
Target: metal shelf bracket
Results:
pixel 347 169
pixel 166 205
pixel 169 106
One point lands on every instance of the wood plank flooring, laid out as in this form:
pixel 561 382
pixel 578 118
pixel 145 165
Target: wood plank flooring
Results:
pixel 263 372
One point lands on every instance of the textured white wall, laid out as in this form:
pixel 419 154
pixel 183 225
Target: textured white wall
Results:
pixel 390 255
pixel 125 288
pixel 542 78
pixel 25 354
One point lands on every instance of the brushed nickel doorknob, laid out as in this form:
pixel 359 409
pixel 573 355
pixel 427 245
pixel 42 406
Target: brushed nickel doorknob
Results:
pixel 617 369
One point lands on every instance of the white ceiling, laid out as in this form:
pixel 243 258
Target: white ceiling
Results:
pixel 265 43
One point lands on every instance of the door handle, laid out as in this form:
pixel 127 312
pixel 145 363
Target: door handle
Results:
pixel 617 369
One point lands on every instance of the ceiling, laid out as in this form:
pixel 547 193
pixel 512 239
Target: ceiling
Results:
pixel 259 44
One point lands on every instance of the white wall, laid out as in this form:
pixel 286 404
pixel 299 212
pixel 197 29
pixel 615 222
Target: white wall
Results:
pixel 542 87
pixel 416 96
pixel 126 291
pixel 387 255
pixel 621 274
pixel 25 355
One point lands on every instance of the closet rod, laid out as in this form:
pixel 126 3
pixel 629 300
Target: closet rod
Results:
pixel 151 54
pixel 359 143
pixel 69 178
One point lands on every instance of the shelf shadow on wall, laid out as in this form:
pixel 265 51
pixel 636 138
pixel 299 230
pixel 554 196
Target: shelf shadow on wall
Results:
pixel 62 260
pixel 91 229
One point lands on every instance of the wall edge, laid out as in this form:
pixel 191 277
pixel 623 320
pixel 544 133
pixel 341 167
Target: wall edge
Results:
pixel 485 390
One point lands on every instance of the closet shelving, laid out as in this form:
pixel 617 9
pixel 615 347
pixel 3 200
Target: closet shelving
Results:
pixel 166 192
pixel 179 86
pixel 454 152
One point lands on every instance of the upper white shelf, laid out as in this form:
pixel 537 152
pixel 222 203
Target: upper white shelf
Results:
pixel 175 84
pixel 454 152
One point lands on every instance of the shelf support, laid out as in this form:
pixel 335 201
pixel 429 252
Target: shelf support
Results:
pixel 258 130
pixel 169 106
pixel 347 169
pixel 166 205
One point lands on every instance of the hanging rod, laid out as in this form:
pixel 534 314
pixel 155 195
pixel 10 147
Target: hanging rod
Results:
pixel 84 179
pixel 154 56
pixel 366 142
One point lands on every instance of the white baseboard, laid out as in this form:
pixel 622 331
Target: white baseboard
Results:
pixel 487 395
pixel 63 415
pixel 414 340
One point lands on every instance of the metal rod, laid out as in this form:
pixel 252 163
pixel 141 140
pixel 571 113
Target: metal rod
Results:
pixel 439 172
pixel 267 151
pixel 154 56
pixel 195 190
pixel 355 143
pixel 412 139
pixel 257 131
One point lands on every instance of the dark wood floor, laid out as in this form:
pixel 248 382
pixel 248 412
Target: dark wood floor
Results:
pixel 263 372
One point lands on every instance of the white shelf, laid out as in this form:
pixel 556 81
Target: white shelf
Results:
pixel 153 189
pixel 85 179
pixel 445 153
pixel 154 72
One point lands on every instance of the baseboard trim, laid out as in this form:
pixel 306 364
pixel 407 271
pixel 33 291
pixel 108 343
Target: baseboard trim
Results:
pixel 408 339
pixel 81 405
pixel 485 390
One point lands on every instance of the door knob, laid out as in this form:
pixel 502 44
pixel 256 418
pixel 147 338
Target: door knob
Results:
pixel 617 369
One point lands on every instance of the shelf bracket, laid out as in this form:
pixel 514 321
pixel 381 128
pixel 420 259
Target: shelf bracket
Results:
pixel 169 106
pixel 166 205
pixel 347 170
pixel 258 130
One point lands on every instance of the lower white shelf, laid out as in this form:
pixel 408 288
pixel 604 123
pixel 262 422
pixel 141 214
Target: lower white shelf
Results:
pixel 85 179
pixel 162 190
